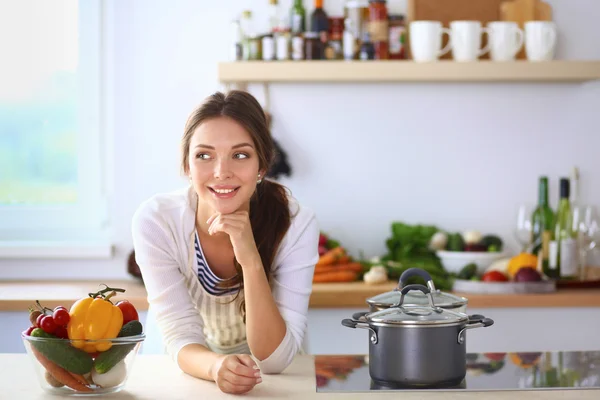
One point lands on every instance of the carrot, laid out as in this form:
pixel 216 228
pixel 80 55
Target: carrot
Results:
pixel 345 259
pixel 327 373
pixel 80 378
pixel 355 267
pixel 335 276
pixel 331 256
pixel 59 373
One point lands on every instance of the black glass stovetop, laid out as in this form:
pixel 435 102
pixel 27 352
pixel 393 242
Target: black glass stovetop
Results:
pixel 485 372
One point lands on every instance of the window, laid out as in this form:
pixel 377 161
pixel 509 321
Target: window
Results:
pixel 52 185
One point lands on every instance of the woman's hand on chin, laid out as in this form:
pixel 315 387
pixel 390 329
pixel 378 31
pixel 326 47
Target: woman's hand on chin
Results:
pixel 237 226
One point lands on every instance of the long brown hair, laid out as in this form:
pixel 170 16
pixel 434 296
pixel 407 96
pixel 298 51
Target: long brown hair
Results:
pixel 269 211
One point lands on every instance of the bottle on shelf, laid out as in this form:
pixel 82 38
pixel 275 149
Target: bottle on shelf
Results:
pixel 319 22
pixel 248 42
pixel 274 18
pixel 542 221
pixel 297 18
pixel 237 49
pixel 367 50
pixel 563 247
pixel 379 28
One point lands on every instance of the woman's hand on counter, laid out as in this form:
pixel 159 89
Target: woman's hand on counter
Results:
pixel 236 373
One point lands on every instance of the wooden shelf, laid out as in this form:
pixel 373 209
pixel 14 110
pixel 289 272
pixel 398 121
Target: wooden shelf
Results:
pixel 407 71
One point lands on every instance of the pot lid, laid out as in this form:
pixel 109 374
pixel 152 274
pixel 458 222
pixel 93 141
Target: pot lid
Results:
pixel 441 299
pixel 416 315
pixel 444 300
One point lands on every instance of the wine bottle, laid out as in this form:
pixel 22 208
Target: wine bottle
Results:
pixel 563 247
pixel 298 17
pixel 542 224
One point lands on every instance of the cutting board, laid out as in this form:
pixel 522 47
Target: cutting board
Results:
pixel 521 11
pixel 446 11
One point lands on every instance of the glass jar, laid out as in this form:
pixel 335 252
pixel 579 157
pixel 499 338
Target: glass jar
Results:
pixel 333 51
pixel 298 47
pixel 397 37
pixel 379 28
pixel 357 14
pixel 312 46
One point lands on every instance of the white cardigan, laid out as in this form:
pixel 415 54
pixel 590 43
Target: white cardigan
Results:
pixel 163 229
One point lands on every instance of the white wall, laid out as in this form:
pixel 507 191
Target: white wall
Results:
pixel 459 156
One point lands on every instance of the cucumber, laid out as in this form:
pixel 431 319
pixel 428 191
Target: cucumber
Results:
pixel 61 353
pixel 108 359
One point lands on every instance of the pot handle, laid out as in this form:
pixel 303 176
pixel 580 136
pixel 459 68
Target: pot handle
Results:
pixel 475 321
pixel 359 315
pixel 350 323
pixel 422 288
pixel 416 272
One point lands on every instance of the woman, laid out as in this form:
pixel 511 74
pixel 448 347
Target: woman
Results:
pixel 228 261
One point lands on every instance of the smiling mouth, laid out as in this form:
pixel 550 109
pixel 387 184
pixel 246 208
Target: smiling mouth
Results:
pixel 224 192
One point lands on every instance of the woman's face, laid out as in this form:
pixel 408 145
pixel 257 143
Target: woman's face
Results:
pixel 223 165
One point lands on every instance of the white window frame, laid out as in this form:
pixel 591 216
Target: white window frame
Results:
pixel 81 230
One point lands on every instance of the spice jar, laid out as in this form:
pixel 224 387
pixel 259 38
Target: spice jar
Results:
pixel 298 47
pixel 397 37
pixel 333 50
pixel 312 46
pixel 379 28
pixel 283 44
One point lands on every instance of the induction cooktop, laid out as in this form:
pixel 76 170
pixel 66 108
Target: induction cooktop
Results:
pixel 485 372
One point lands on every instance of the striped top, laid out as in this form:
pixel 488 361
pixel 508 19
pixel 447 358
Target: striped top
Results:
pixel 207 278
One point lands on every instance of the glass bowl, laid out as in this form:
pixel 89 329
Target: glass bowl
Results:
pixel 62 366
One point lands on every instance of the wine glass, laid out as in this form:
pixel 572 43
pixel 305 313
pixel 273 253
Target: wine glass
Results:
pixel 587 226
pixel 524 229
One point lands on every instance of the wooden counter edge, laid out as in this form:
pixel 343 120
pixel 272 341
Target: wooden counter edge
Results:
pixel 19 295
pixel 355 295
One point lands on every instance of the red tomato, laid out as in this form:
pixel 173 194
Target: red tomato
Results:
pixel 61 316
pixel 38 321
pixel 48 324
pixel 61 332
pixel 29 330
pixel 494 276
pixel 128 310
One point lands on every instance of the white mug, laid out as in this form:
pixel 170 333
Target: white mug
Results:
pixel 505 39
pixel 540 40
pixel 466 40
pixel 426 40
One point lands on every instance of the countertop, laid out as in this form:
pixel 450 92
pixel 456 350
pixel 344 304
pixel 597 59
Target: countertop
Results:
pixel 156 377
pixel 19 295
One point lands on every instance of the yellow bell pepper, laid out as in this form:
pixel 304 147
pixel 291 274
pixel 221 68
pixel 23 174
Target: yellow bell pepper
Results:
pixel 94 318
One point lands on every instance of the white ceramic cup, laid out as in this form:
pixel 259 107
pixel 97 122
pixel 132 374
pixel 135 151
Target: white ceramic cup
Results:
pixel 540 40
pixel 505 39
pixel 466 40
pixel 426 40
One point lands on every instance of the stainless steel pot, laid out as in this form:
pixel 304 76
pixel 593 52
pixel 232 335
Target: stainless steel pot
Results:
pixel 415 345
pixel 447 301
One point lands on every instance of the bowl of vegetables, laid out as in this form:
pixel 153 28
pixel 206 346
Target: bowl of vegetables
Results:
pixel 89 349
pixel 471 249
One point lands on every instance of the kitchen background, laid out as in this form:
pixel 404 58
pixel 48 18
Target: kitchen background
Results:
pixel 460 156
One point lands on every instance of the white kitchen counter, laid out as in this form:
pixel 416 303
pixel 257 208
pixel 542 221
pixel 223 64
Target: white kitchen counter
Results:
pixel 156 377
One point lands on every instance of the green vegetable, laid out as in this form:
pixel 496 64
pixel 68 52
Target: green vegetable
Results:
pixel 468 271
pixel 60 352
pixel 408 247
pixel 108 359
pixel 332 244
pixel 455 242
pixel 492 242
